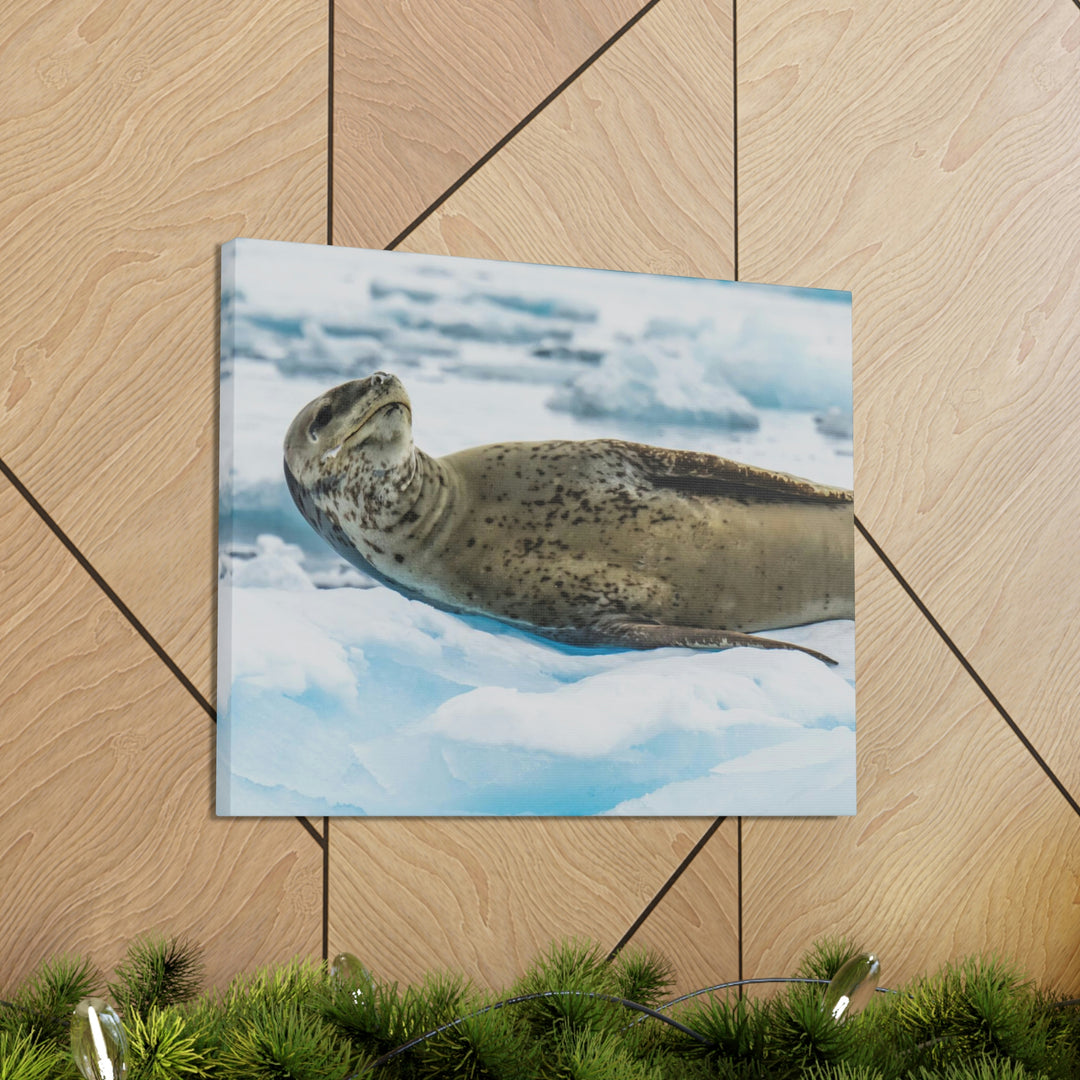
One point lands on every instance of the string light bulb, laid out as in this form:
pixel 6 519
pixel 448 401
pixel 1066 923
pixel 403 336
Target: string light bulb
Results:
pixel 98 1043
pixel 852 986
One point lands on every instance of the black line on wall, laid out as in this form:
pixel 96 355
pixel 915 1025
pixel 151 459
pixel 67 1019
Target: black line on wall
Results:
pixel 311 829
pixel 326 888
pixel 740 889
pixel 651 905
pixel 330 129
pixel 967 666
pixel 735 146
pixel 476 166
pixel 124 610
pixel 108 590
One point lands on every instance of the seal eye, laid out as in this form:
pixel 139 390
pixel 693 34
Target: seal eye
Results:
pixel 322 418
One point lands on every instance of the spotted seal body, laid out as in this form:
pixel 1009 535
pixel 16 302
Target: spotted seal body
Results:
pixel 599 542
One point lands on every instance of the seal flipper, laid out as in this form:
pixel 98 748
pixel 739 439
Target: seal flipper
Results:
pixel 640 634
pixel 704 475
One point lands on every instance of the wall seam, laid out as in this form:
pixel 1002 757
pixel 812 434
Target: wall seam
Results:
pixel 108 590
pixel 967 666
pixel 326 889
pixel 111 594
pixel 520 126
pixel 330 126
pixel 663 891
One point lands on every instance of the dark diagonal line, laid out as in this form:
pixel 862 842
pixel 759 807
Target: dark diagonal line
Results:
pixel 965 663
pixel 470 172
pixel 311 829
pixel 664 890
pixel 124 610
pixel 108 590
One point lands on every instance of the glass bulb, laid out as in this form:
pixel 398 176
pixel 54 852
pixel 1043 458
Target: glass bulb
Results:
pixel 349 976
pixel 97 1040
pixel 852 986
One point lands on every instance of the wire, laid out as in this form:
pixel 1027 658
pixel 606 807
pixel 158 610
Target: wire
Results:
pixel 742 982
pixel 625 1002
pixel 750 982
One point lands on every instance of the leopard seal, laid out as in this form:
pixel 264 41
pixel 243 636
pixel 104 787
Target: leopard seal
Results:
pixel 592 543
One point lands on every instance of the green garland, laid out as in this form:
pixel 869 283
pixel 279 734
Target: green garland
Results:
pixel 573 1016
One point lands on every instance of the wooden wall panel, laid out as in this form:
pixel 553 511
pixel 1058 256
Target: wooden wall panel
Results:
pixel 695 924
pixel 630 168
pixel 106 823
pixel 486 896
pixel 960 844
pixel 422 90
pixel 925 157
pixel 137 137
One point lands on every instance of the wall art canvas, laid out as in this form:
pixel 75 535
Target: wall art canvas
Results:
pixel 506 539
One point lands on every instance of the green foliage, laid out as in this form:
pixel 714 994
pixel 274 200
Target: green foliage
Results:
pixel 282 1040
pixel 801 1034
pixel 483 1046
pixel 844 1072
pixel 162 1046
pixel 567 988
pixel 43 1004
pixel 156 972
pixel 977 1009
pixel 601 1056
pixel 982 1068
pixel 562 1020
pixel 298 981
pixel 826 957
pixel 735 1025
pixel 642 975
pixel 22 1057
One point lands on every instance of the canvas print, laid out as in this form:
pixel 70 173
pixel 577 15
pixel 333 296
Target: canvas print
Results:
pixel 508 539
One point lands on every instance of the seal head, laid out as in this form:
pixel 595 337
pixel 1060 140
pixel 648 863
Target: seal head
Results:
pixel 348 456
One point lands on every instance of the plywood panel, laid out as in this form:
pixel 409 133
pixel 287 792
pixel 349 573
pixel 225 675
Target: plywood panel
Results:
pixel 485 896
pixel 960 844
pixel 630 168
pixel 106 823
pixel 422 90
pixel 137 137
pixel 696 923
pixel 925 157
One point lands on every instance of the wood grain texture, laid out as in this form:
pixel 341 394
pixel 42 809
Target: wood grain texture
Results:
pixel 106 824
pixel 137 137
pixel 485 896
pixel 696 924
pixel 960 844
pixel 423 89
pixel 630 168
pixel 925 157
